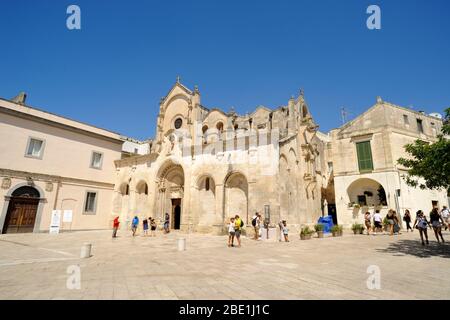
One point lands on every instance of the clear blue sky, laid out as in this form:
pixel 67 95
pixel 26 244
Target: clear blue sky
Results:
pixel 113 72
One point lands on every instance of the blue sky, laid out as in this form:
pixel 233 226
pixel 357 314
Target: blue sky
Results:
pixel 113 71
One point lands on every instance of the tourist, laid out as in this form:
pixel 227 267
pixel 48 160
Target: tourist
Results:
pixel 367 219
pixel 238 224
pixel 377 221
pixel 145 227
pixel 407 219
pixel 256 220
pixel 280 226
pixel 231 232
pixel 285 231
pixel 166 223
pixel 435 220
pixel 391 220
pixel 421 223
pixel 134 225
pixel 396 223
pixel 116 224
pixel 445 214
pixel 152 227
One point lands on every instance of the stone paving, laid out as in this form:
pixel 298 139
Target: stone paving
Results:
pixel 34 266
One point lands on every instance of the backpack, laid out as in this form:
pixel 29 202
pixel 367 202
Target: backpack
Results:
pixel 242 223
pixel 253 222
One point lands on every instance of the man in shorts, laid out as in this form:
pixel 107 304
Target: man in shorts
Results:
pixel 377 221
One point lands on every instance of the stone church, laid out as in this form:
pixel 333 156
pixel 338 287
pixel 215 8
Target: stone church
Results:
pixel 206 165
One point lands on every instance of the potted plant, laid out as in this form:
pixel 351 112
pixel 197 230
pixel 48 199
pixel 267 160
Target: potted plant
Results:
pixel 319 230
pixel 305 233
pixel 336 230
pixel 356 227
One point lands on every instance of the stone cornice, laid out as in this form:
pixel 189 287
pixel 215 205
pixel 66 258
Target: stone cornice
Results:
pixel 51 178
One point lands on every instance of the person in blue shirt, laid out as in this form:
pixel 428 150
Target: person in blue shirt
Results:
pixel 134 225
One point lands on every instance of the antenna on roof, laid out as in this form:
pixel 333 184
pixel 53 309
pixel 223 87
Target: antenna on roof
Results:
pixel 344 114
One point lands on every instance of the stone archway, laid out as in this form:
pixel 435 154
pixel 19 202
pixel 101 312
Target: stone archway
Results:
pixel 366 192
pixel 170 193
pixel 22 210
pixel 236 196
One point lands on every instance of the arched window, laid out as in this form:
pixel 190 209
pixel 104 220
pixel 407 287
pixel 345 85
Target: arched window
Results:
pixel 207 184
pixel 219 126
pixel 142 188
pixel 127 190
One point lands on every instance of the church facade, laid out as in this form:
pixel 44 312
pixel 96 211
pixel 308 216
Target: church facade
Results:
pixel 206 165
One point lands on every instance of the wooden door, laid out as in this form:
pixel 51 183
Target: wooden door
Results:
pixel 21 215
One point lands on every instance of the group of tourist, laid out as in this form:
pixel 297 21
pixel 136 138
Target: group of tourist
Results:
pixel 373 222
pixel 236 225
pixel 438 220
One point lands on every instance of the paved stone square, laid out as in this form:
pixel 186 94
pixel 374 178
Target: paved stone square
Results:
pixel 34 266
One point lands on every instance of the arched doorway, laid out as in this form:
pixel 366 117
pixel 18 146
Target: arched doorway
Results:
pixel 176 214
pixel 22 210
pixel 170 193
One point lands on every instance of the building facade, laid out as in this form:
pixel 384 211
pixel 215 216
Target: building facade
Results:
pixel 364 154
pixel 53 163
pixel 207 165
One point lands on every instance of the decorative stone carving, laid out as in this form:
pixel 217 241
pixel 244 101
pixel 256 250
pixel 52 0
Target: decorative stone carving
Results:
pixel 6 183
pixel 49 187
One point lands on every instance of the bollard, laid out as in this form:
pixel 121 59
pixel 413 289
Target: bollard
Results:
pixel 86 250
pixel 181 244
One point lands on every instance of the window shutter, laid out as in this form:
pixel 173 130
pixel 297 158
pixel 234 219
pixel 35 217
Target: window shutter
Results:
pixel 364 154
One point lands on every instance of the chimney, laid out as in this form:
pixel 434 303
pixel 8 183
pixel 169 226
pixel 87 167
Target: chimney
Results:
pixel 20 98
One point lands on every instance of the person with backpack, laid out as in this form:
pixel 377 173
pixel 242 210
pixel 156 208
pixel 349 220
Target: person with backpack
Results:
pixel 238 225
pixel 421 224
pixel 256 221
pixel 134 225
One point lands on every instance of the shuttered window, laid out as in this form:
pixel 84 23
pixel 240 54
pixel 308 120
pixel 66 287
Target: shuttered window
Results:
pixel 364 152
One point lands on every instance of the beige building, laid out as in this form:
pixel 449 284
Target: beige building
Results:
pixel 206 165
pixel 53 163
pixel 364 154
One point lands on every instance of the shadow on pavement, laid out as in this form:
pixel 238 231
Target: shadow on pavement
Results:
pixel 415 248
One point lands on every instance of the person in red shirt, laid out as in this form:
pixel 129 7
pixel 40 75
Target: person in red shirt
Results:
pixel 115 227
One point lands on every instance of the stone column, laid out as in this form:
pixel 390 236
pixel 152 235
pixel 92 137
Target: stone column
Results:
pixel 220 208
